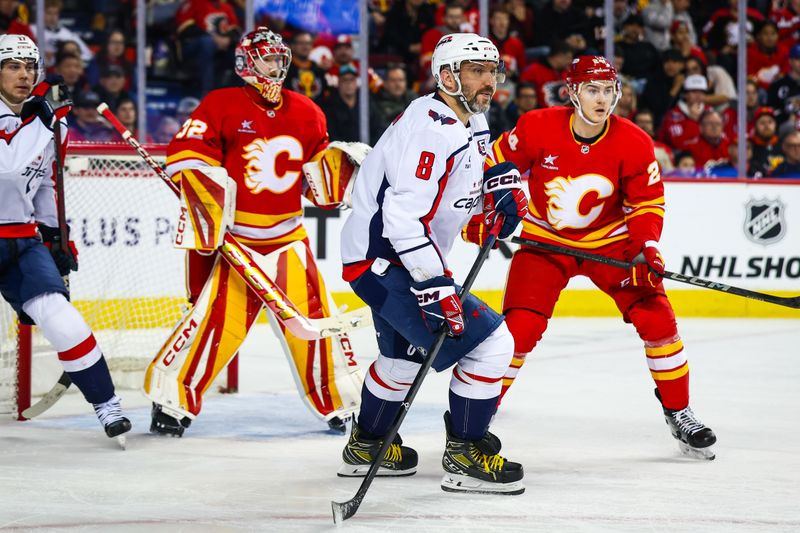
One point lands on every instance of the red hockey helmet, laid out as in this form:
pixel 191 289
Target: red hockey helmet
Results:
pixel 589 69
pixel 262 60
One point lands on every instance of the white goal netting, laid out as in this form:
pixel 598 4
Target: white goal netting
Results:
pixel 130 284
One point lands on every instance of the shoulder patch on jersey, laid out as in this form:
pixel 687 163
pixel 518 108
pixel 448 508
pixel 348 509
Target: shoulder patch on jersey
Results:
pixel 444 119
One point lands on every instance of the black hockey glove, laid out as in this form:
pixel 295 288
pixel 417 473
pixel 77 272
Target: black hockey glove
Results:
pixel 38 106
pixel 64 256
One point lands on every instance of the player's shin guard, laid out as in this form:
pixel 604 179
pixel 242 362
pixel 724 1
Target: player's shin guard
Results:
pixel 385 388
pixel 527 328
pixel 80 356
pixel 666 359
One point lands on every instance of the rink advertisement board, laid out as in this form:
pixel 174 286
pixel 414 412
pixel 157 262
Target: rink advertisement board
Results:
pixel 745 234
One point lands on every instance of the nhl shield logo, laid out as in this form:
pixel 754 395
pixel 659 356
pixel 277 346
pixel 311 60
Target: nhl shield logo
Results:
pixel 764 222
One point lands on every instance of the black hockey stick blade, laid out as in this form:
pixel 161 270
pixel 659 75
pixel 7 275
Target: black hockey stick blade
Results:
pixel 785 301
pixel 49 399
pixel 344 510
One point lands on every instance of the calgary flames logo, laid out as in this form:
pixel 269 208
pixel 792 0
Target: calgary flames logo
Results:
pixel 564 209
pixel 260 172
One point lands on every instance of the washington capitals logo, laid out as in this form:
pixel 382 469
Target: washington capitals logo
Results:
pixel 445 120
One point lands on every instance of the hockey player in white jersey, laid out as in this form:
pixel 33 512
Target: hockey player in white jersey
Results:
pixel 416 190
pixel 32 256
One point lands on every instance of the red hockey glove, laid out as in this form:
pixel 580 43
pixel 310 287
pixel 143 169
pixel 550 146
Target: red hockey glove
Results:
pixel 648 266
pixel 65 257
pixel 439 303
pixel 476 231
pixel 503 194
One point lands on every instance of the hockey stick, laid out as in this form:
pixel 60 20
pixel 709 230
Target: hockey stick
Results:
pixel 344 510
pixel 49 400
pixel 242 262
pixel 787 301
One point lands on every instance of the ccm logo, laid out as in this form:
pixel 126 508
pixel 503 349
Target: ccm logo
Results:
pixel 180 342
pixel 467 203
pixel 501 181
pixel 428 297
pixel 347 348
pixel 181 226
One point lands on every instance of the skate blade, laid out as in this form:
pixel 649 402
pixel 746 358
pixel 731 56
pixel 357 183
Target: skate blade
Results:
pixel 703 454
pixel 122 441
pixel 347 470
pixel 459 483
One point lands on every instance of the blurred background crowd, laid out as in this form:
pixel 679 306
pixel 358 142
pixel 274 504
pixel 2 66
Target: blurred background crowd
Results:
pixel 676 59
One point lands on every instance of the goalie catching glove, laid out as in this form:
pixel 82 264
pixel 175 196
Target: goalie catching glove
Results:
pixel 648 265
pixel 331 173
pixel 439 303
pixel 208 206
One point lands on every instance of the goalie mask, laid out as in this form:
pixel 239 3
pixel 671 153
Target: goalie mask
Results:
pixel 456 48
pixel 597 71
pixel 21 49
pixel 262 60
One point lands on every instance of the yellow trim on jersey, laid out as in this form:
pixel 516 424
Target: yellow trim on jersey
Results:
pixel 670 349
pixel 655 210
pixel 657 201
pixel 191 154
pixel 605 230
pixel 298 234
pixel 602 135
pixel 538 231
pixel 498 154
pixel 533 211
pixel 668 376
pixel 264 221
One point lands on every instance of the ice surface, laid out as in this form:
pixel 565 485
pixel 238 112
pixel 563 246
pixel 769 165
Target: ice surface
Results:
pixel 581 418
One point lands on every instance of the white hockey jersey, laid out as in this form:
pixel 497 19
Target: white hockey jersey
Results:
pixel 416 190
pixel 27 174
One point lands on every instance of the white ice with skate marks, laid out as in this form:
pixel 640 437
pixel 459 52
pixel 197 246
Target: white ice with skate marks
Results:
pixel 581 418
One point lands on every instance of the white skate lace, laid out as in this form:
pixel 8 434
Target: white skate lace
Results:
pixel 687 421
pixel 109 412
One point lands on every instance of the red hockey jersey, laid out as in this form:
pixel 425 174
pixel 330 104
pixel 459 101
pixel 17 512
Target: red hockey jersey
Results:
pixel 263 149
pixel 585 196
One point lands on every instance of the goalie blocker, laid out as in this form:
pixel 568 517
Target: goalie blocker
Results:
pixel 207 208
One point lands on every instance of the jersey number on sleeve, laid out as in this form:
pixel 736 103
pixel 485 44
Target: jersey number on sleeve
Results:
pixel 425 165
pixel 192 128
pixel 654 172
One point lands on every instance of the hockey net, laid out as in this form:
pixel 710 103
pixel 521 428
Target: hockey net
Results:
pixel 130 286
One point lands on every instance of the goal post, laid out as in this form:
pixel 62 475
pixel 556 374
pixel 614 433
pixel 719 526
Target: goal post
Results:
pixel 130 285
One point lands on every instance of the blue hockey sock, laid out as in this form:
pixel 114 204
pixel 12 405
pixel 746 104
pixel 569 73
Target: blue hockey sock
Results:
pixel 94 382
pixel 376 415
pixel 471 417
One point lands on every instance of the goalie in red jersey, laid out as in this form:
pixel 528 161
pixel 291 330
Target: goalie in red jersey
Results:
pixel 595 185
pixel 240 161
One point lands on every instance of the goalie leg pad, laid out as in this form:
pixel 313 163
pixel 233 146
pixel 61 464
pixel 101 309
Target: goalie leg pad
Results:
pixel 325 370
pixel 203 343
pixel 207 208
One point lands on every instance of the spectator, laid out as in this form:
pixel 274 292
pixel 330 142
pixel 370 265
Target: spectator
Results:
pixel 343 55
pixel 471 14
pixel 70 67
pixel 787 17
pixel 766 58
pixel 790 167
pixel 127 114
pixel 186 107
pixel 512 51
pixel 711 146
pixel 684 166
pixel 621 10
pixel 55 33
pixel 662 90
pixel 392 99
pixel 341 107
pixel 682 123
pixel 783 95
pixel 766 146
pixel 626 107
pixel 208 32
pixel 167 128
pixel 730 168
pixel 720 34
pixel 658 16
pixel 521 20
pixel 682 41
pixel 549 76
pixel 11 22
pixel 84 121
pixel 556 21
pixel 642 60
pixel 681 10
pixel 524 100
pixel 452 21
pixel 406 23
pixel 304 76
pixel 112 53
pixel 720 83
pixel 111 88
pixel 644 119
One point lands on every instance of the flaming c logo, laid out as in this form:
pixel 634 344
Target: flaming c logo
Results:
pixel 566 196
pixel 260 172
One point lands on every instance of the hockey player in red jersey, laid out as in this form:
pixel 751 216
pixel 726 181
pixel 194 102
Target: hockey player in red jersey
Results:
pixel 595 185
pixel 259 137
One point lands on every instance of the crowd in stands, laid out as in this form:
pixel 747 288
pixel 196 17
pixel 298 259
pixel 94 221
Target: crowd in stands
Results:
pixel 676 58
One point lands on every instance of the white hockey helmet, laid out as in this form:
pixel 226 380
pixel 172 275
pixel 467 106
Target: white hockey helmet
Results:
pixel 21 48
pixel 454 49
pixel 253 50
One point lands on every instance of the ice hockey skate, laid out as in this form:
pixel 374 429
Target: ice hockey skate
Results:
pixel 477 467
pixel 110 415
pixel 165 424
pixel 694 438
pixel 359 453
